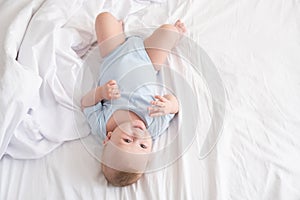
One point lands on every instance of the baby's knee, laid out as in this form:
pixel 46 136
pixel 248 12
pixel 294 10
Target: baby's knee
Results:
pixel 104 16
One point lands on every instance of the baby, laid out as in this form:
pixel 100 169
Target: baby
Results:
pixel 126 109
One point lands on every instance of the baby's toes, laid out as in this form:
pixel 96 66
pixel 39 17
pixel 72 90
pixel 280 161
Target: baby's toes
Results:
pixel 183 28
pixel 177 23
pixel 180 26
pixel 121 23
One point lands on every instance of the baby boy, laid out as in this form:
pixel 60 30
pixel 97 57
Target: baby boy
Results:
pixel 128 109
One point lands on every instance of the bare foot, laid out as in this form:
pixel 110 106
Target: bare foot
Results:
pixel 180 26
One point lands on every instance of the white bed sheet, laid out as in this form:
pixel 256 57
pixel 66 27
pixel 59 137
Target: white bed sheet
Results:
pixel 255 46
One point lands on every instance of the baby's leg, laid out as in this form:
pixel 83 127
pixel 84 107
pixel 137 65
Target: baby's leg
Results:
pixel 109 32
pixel 162 40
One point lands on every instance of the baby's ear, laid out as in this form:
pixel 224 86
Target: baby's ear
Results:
pixel 108 136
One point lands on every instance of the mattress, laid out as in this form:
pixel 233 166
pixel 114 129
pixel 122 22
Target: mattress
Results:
pixel 236 73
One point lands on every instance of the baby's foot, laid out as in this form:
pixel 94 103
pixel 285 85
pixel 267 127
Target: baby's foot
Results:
pixel 180 26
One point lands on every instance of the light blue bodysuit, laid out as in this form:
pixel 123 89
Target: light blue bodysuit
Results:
pixel 130 65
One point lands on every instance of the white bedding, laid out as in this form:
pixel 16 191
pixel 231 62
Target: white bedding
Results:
pixel 47 152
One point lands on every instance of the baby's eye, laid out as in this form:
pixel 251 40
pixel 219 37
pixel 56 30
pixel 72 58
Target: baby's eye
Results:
pixel 127 140
pixel 143 146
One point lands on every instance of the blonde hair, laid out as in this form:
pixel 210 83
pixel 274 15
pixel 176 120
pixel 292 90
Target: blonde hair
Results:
pixel 120 178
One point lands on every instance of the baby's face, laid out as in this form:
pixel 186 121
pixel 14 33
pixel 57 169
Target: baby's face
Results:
pixel 132 137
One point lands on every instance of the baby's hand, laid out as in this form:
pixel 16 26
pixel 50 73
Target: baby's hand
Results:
pixel 164 105
pixel 110 90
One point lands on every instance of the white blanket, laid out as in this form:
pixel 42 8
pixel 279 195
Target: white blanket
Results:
pixel 19 83
pixel 39 94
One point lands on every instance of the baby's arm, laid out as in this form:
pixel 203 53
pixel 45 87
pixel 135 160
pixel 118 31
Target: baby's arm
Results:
pixel 107 91
pixel 164 105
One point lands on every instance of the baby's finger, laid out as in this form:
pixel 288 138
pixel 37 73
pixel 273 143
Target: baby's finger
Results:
pixel 115 91
pixel 112 82
pixel 113 86
pixel 157 114
pixel 158 103
pixel 154 110
pixel 161 98
pixel 116 96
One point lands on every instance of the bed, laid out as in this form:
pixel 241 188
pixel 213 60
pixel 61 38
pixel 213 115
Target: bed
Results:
pixel 236 138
